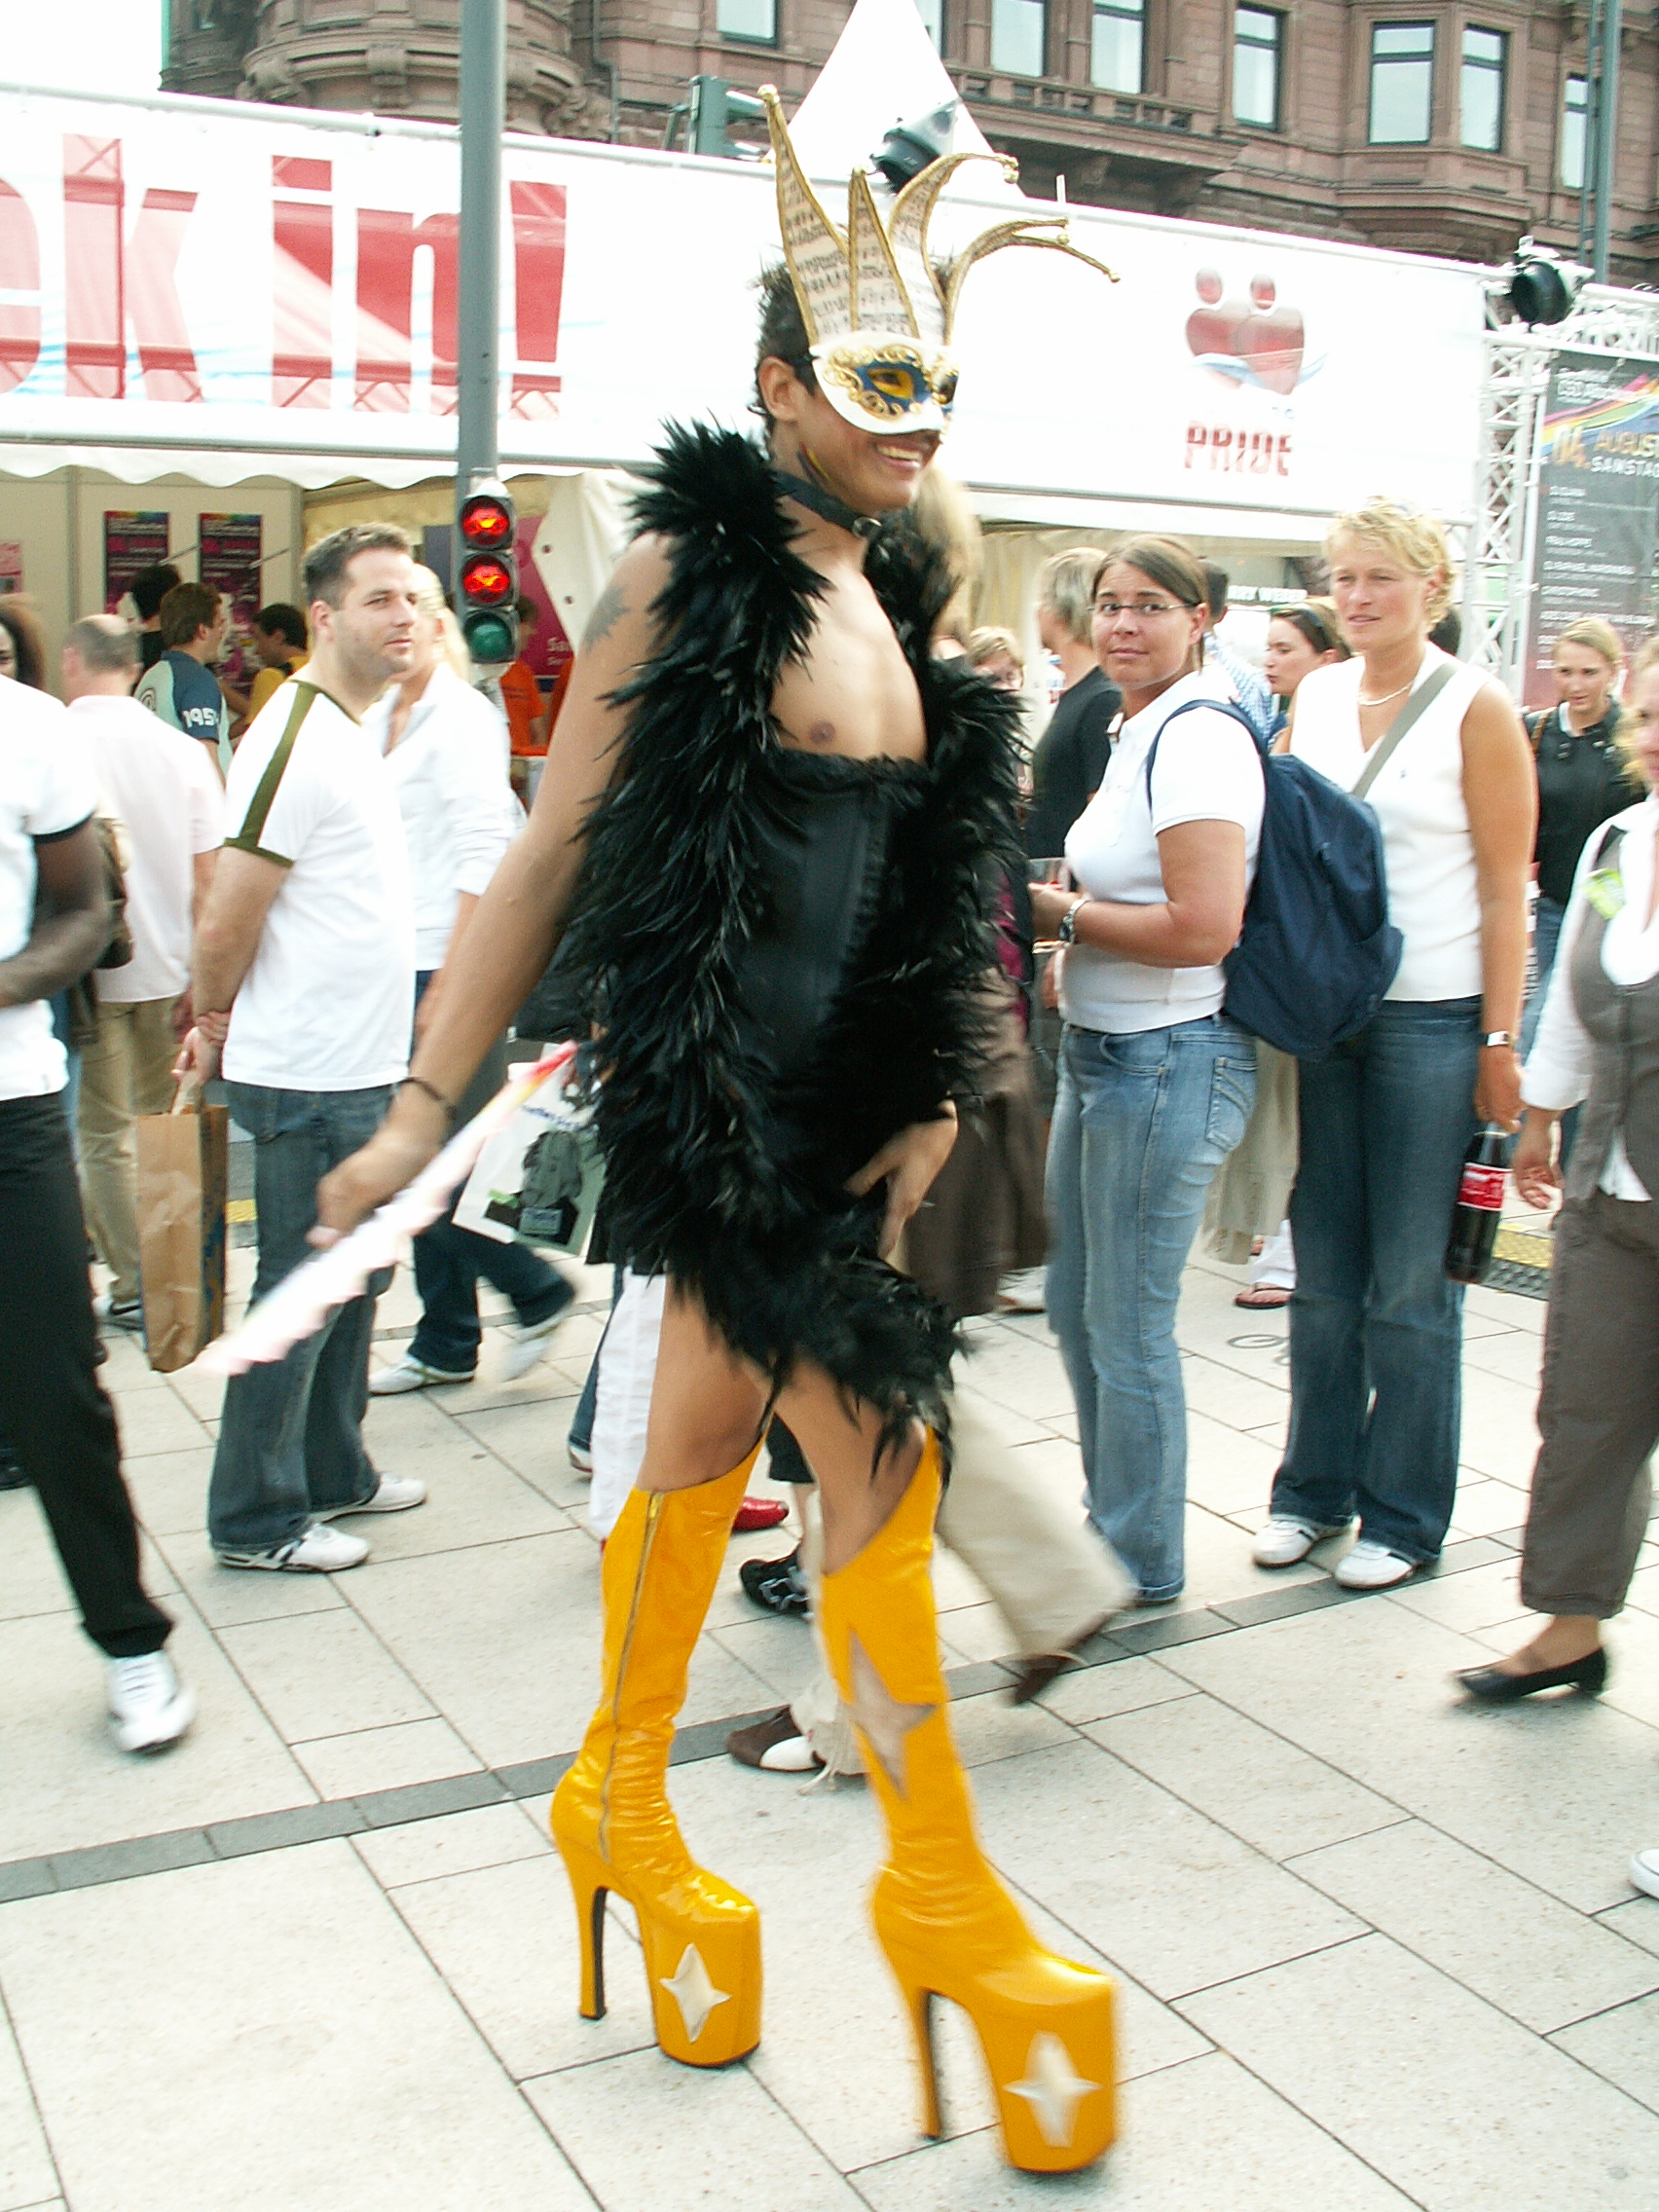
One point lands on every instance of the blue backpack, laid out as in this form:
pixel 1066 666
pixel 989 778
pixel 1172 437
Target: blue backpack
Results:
pixel 1317 951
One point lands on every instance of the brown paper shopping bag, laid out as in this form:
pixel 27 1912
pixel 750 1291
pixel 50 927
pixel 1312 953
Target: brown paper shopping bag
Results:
pixel 181 1228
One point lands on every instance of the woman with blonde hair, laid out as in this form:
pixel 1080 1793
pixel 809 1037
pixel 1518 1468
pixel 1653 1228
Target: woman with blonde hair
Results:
pixel 446 747
pixel 1375 1329
pixel 1583 778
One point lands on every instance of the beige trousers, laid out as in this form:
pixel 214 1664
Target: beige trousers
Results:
pixel 125 1070
pixel 1051 1575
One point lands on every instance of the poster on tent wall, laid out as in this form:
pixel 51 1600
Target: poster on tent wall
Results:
pixel 249 283
pixel 228 550
pixel 133 540
pixel 1598 527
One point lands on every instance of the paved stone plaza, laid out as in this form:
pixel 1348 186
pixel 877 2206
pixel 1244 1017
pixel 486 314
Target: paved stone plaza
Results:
pixel 1373 1948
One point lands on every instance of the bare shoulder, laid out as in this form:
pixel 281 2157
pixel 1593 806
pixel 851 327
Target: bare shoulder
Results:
pixel 1491 726
pixel 622 612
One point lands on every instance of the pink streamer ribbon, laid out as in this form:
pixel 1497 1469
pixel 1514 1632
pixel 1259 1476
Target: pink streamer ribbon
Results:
pixel 303 1300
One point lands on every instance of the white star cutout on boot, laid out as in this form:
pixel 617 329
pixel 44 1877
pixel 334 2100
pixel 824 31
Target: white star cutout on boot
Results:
pixel 883 1720
pixel 1053 2089
pixel 693 1992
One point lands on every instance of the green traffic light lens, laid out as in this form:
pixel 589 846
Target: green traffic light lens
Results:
pixel 491 639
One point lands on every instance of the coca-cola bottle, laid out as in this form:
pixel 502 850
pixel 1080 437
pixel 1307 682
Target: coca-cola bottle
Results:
pixel 1479 1207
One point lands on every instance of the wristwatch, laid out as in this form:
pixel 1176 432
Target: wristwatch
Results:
pixel 1496 1036
pixel 1066 934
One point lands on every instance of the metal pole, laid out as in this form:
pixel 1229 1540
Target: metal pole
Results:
pixel 483 115
pixel 1606 135
pixel 1587 162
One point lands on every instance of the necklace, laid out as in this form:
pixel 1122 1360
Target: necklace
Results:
pixel 1387 695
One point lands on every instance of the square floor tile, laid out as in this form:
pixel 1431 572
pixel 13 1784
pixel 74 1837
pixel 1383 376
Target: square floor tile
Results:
pixel 1176 1900
pixel 368 1759
pixel 1268 1792
pixel 717 2140
pixel 1526 1952
pixel 1622 2046
pixel 454 1843
pixel 1442 2094
pixel 1199 2137
pixel 27 2175
pixel 283 2043
pixel 323 1674
pixel 65 1784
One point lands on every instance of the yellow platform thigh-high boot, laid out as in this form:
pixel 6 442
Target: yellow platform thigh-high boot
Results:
pixel 612 1819
pixel 947 1925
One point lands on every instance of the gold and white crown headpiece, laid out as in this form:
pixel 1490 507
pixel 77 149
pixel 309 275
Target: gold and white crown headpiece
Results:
pixel 877 313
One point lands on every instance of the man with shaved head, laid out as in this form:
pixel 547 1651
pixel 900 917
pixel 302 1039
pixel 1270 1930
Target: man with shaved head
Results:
pixel 163 789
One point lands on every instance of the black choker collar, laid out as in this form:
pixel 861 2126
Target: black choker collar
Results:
pixel 807 493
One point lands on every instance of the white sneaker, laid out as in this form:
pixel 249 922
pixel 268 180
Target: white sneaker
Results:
pixel 1371 1566
pixel 315 1550
pixel 411 1374
pixel 1645 1872
pixel 396 1493
pixel 528 1343
pixel 149 1706
pixel 580 1455
pixel 1282 1539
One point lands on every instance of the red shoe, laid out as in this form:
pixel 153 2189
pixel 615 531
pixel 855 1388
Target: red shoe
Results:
pixel 758 1513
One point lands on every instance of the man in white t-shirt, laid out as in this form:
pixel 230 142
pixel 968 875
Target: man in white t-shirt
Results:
pixel 160 786
pixel 304 979
pixel 55 921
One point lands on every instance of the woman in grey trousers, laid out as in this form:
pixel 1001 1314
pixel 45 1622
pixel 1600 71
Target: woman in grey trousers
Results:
pixel 1598 1408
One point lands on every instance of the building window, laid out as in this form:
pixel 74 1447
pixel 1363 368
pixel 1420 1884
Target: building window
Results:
pixel 1119 43
pixel 1257 46
pixel 1019 36
pixel 932 12
pixel 1402 84
pixel 756 19
pixel 1481 94
pixel 1573 121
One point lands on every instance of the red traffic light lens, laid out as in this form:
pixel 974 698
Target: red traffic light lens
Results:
pixel 486 581
pixel 486 521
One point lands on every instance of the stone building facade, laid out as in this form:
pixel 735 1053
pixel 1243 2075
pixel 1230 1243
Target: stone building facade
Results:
pixel 1448 126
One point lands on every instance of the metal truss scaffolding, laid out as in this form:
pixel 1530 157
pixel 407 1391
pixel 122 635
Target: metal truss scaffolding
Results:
pixel 1498 579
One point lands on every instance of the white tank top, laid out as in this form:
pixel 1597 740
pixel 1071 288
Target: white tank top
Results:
pixel 1433 891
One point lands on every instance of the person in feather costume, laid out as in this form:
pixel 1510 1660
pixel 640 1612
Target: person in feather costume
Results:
pixel 760 850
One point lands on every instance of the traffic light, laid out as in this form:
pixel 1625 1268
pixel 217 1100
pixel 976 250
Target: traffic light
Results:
pixel 707 113
pixel 1543 288
pixel 486 575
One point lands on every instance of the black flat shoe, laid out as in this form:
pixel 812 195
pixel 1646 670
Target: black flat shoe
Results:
pixel 1493 1686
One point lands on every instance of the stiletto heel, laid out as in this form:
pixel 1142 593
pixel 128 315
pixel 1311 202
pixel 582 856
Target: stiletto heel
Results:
pixel 948 1927
pixel 918 2002
pixel 610 1818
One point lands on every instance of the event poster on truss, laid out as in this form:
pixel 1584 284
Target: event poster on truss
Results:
pixel 1598 506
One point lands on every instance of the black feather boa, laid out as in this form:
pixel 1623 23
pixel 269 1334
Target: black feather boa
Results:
pixel 697 1185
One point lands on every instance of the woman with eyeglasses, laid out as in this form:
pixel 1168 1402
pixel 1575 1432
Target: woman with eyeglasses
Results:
pixel 1156 1083
pixel 1376 1328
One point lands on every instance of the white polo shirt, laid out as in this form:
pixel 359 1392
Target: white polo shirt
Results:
pixel 46 791
pixel 160 786
pixel 328 1001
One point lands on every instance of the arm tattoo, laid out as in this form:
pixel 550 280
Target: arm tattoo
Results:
pixel 609 610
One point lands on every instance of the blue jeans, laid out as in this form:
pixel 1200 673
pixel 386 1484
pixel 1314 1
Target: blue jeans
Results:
pixel 448 1263
pixel 1547 918
pixel 1141 1124
pixel 291 1434
pixel 1376 1328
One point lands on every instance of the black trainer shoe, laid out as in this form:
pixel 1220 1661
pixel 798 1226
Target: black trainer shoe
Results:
pixel 776 1585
